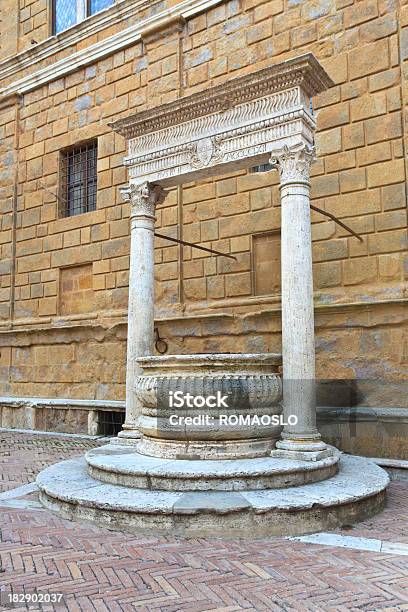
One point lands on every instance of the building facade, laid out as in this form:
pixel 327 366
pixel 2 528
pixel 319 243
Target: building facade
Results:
pixel 67 70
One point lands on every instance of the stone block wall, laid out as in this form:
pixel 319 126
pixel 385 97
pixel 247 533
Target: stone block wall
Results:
pixel 63 281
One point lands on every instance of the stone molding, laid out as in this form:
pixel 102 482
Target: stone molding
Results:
pixel 268 392
pixel 251 383
pixel 341 414
pixel 362 414
pixel 125 38
pixel 80 404
pixel 233 125
pixel 98 325
pixel 302 71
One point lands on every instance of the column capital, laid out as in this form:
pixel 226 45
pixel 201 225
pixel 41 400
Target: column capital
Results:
pixel 294 163
pixel 143 198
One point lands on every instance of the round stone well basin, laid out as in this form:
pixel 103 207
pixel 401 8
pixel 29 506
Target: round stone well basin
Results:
pixel 209 406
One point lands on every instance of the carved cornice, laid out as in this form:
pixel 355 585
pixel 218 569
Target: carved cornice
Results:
pixel 304 71
pixel 294 163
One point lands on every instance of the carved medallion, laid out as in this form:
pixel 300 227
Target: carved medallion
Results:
pixel 206 151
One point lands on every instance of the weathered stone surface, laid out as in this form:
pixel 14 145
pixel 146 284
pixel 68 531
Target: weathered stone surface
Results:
pixel 114 465
pixel 250 385
pixel 356 492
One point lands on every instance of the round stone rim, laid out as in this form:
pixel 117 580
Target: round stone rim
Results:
pixel 224 359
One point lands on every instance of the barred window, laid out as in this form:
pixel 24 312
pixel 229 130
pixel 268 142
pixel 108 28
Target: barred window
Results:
pixel 78 179
pixel 67 13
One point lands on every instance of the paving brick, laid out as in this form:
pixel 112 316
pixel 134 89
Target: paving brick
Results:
pixel 328 142
pixel 364 11
pixel 379 28
pixel 389 267
pixel 238 284
pixel 391 220
pixel 388 242
pixel 383 128
pixel 394 196
pixel 360 203
pixel 352 180
pixel 327 274
pixel 374 154
pixel 325 185
pixel 353 136
pixel 97 568
pixel 369 105
pixel 329 250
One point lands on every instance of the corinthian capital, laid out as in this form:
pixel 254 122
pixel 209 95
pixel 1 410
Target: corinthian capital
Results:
pixel 294 163
pixel 143 198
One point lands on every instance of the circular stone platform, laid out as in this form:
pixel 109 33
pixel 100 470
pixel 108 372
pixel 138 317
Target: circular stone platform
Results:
pixel 114 464
pixel 356 492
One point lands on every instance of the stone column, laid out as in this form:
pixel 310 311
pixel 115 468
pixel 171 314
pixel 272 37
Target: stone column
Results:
pixel 140 335
pixel 301 440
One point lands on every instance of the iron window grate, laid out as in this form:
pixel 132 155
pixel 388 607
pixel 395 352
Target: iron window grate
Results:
pixel 78 179
pixel 110 423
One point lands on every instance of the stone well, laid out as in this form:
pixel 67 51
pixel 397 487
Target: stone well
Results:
pixel 252 385
pixel 211 480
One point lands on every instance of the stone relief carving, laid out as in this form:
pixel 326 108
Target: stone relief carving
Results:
pixel 229 119
pixel 294 162
pixel 206 151
pixel 143 198
pixel 240 123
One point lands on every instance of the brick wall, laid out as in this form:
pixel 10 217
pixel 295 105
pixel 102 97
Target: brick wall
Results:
pixel 359 176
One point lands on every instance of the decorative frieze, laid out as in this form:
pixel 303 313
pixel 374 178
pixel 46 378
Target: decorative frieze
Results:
pixel 234 125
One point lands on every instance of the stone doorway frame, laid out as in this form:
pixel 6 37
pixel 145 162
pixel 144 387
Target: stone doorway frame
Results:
pixel 263 117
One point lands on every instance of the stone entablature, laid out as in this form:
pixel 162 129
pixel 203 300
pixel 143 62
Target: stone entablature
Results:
pixel 233 125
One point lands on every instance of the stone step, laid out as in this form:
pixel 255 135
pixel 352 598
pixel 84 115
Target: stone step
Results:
pixel 356 492
pixel 115 464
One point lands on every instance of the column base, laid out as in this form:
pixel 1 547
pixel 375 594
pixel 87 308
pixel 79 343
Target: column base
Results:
pixel 129 437
pixel 302 451
pixel 301 455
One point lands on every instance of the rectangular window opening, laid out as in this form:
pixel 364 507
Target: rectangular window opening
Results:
pixel 79 179
pixel 67 13
pixel 110 423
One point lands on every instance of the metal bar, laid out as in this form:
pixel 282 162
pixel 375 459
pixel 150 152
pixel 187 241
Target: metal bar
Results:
pixel 195 246
pixel 336 220
pixel 85 179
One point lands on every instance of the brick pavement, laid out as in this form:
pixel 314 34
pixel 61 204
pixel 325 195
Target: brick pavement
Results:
pixel 23 456
pixel 102 570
